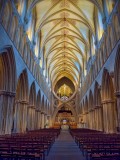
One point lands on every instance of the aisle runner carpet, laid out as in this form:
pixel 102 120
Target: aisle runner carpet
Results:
pixel 65 148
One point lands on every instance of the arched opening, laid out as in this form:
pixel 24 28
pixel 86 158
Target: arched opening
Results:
pixel 98 108
pixel 108 102
pixel 7 89
pixel 31 107
pixel 64 89
pixel 21 103
pixel 64 117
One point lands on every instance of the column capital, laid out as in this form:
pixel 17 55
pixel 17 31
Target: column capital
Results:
pixel 97 106
pixel 106 101
pixel 42 112
pixel 38 110
pixel 92 109
pixel 7 93
pixel 31 106
pixel 22 102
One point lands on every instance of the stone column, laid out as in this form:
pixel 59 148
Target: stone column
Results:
pixel 80 120
pixel 31 117
pixel 86 120
pixel 20 118
pixel 45 120
pixel 42 120
pixel 49 121
pixel 36 118
pixel 90 119
pixel 118 110
pixel 93 118
pixel 6 111
pixel 100 118
pixel 39 119
pixel 108 116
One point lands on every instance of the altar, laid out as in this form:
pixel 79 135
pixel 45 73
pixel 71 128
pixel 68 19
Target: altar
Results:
pixel 64 127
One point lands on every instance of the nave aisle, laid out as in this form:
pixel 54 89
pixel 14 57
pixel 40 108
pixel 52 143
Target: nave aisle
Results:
pixel 65 148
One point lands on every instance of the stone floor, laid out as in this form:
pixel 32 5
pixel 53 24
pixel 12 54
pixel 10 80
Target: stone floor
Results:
pixel 65 148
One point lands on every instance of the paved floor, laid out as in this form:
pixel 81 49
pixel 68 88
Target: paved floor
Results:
pixel 65 148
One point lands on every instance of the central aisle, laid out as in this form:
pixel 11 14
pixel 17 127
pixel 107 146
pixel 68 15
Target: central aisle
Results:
pixel 65 148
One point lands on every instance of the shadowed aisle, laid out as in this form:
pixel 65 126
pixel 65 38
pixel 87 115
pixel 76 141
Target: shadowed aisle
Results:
pixel 65 148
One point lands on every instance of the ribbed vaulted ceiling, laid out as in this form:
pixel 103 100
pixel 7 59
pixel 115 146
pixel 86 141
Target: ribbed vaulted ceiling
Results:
pixel 65 28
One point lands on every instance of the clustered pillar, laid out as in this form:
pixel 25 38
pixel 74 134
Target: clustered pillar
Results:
pixel 31 117
pixel 99 118
pixel 93 118
pixel 49 121
pixel 20 118
pixel 109 116
pixel 42 120
pixel 6 111
pixel 37 119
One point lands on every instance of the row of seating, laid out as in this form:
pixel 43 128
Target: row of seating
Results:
pixel 97 145
pixel 33 145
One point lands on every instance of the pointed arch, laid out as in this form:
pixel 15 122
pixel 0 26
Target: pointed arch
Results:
pixel 108 102
pixel 90 100
pixel 21 103
pixel 86 104
pixel 59 107
pixel 38 103
pixel 7 69
pixel 107 86
pixel 32 95
pixel 45 106
pixel 22 86
pixel 97 95
pixel 7 88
